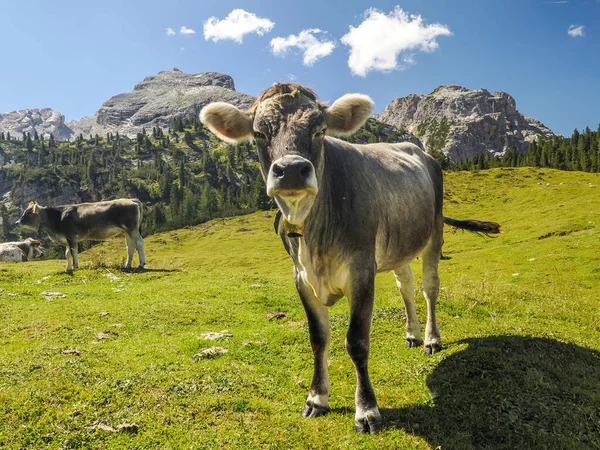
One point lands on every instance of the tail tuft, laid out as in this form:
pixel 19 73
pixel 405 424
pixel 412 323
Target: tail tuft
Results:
pixel 475 226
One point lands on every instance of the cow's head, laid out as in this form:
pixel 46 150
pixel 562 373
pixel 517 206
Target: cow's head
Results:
pixel 31 217
pixel 289 126
pixel 35 248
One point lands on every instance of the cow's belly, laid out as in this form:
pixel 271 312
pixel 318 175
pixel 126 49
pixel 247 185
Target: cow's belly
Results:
pixel 101 234
pixel 397 246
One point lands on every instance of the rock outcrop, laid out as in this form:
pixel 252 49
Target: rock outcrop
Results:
pixel 43 121
pixel 157 100
pixel 463 123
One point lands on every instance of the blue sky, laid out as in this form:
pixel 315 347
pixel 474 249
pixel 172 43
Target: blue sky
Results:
pixel 73 55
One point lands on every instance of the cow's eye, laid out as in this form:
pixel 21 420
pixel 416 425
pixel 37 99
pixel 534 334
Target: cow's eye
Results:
pixel 320 132
pixel 259 135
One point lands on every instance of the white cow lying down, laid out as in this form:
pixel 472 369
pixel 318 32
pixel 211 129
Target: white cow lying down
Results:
pixel 20 251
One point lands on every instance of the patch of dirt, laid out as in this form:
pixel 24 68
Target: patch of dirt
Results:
pixel 276 315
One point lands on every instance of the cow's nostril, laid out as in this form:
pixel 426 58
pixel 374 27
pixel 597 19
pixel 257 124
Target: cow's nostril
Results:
pixel 277 171
pixel 305 172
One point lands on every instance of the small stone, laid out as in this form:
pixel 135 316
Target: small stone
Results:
pixel 211 352
pixel 215 335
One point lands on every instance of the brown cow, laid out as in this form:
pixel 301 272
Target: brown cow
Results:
pixel 349 211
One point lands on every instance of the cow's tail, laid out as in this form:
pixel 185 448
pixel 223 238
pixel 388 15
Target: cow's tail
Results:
pixel 140 212
pixel 476 226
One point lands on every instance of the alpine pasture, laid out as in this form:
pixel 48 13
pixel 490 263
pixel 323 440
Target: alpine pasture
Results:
pixel 105 358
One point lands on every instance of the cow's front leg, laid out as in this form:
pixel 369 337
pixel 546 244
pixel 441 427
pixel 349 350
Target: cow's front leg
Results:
pixel 74 253
pixel 317 403
pixel 367 418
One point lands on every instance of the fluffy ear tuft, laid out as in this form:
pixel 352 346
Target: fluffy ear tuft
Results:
pixel 348 114
pixel 227 122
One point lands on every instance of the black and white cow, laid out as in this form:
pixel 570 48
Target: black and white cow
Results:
pixel 21 251
pixel 69 224
pixel 349 211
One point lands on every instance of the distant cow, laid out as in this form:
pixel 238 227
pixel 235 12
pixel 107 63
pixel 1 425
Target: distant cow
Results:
pixel 70 224
pixel 21 251
pixel 349 211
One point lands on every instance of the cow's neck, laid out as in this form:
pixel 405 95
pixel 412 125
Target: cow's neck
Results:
pixel 331 215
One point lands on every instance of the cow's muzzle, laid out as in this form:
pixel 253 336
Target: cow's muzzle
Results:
pixel 293 184
pixel 291 176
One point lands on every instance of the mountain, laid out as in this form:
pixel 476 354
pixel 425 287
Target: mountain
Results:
pixel 45 121
pixel 158 100
pixel 155 102
pixel 463 122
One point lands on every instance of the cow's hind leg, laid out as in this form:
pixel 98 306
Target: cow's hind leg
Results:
pixel 431 286
pixel 69 267
pixel 130 250
pixel 367 418
pixel 404 281
pixel 139 245
pixel 317 403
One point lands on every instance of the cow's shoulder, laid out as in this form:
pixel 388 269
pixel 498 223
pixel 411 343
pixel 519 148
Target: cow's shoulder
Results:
pixel 68 212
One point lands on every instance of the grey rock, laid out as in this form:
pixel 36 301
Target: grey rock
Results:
pixel 463 122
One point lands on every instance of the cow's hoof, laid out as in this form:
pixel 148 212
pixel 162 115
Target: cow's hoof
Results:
pixel 413 343
pixel 433 348
pixel 368 422
pixel 312 411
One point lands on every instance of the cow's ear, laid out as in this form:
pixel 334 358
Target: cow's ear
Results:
pixel 36 243
pixel 348 114
pixel 36 208
pixel 227 122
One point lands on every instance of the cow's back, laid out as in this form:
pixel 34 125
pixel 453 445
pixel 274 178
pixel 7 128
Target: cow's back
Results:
pixel 101 220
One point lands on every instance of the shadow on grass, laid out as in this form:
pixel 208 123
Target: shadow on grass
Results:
pixel 509 392
pixel 149 270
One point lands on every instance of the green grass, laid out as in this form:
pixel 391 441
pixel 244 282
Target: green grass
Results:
pixel 519 317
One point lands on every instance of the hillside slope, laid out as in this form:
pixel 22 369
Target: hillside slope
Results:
pixel 518 314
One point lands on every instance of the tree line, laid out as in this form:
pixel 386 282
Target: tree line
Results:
pixel 580 152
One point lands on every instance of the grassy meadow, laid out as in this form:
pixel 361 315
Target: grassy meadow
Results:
pixel 107 359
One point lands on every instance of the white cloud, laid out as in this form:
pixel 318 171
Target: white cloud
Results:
pixel 576 30
pixel 306 41
pixel 381 38
pixel 170 31
pixel 186 31
pixel 237 24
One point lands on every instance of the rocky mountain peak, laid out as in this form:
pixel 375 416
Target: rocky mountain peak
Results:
pixel 463 122
pixel 177 78
pixel 158 99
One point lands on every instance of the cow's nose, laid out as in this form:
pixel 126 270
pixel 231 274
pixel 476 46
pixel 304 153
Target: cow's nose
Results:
pixel 293 169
